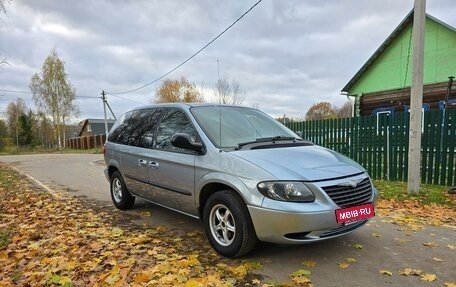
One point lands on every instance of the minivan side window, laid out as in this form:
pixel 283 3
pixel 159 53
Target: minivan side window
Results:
pixel 136 128
pixel 118 133
pixel 143 126
pixel 174 121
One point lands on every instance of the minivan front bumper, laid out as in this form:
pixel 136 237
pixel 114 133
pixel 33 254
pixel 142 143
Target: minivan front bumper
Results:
pixel 284 227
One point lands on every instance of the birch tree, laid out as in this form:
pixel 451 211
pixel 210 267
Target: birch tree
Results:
pixel 13 112
pixel 54 95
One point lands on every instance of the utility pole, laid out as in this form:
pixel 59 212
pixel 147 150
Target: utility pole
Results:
pixel 103 97
pixel 416 97
pixel 105 103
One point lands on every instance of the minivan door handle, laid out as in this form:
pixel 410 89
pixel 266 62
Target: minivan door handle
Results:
pixel 153 164
pixel 142 162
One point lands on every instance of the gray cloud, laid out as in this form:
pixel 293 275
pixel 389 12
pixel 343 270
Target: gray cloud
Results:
pixel 286 55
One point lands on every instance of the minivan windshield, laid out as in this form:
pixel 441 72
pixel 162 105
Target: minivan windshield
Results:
pixel 231 126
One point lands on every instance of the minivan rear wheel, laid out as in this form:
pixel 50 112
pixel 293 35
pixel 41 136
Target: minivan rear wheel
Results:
pixel 120 195
pixel 228 225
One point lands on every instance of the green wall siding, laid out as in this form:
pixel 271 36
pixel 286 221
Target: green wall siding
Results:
pixel 390 68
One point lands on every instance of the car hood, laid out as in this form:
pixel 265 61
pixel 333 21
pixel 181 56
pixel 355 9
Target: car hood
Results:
pixel 307 163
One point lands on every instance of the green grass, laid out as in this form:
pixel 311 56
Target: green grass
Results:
pixel 84 151
pixel 20 151
pixel 428 193
pixel 4 239
pixel 7 177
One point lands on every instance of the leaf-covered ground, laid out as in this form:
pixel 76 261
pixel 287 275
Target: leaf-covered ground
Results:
pixel 48 241
pixel 433 205
pixel 64 241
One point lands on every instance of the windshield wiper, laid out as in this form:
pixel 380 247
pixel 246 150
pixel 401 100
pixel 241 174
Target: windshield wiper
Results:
pixel 268 139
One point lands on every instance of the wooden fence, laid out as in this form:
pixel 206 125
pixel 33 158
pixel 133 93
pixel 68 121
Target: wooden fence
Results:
pixel 380 143
pixel 87 142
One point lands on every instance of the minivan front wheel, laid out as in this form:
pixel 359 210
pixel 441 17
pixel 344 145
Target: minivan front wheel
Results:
pixel 120 196
pixel 228 225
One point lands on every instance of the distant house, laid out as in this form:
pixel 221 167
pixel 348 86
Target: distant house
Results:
pixel 92 127
pixel 383 82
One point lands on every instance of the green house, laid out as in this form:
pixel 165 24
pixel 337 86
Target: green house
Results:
pixel 383 82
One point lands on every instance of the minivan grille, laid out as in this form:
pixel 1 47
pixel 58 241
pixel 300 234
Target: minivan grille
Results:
pixel 346 196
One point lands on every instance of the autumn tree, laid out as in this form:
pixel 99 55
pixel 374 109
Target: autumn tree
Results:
pixel 180 90
pixel 54 95
pixel 345 111
pixel 44 130
pixel 13 112
pixel 320 111
pixel 229 93
pixel 4 137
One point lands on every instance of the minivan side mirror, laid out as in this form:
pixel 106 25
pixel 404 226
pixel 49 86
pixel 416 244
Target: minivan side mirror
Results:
pixel 182 140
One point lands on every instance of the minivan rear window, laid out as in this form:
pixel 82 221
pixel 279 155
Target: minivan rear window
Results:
pixel 136 128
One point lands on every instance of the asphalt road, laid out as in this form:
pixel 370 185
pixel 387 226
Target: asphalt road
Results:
pixel 385 246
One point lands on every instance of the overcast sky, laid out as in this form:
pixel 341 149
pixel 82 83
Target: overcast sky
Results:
pixel 285 54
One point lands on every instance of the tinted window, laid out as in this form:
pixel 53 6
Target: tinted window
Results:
pixel 136 128
pixel 118 130
pixel 174 121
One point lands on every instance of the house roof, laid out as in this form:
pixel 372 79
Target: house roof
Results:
pixel 99 121
pixel 386 43
pixel 97 125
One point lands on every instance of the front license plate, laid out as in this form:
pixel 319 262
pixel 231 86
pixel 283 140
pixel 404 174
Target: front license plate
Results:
pixel 355 213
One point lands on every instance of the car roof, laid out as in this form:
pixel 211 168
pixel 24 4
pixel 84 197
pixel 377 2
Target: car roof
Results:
pixel 184 105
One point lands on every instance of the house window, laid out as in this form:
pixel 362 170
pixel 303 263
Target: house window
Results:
pixel 89 128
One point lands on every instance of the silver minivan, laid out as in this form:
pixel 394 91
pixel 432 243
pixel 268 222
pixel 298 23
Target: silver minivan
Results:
pixel 245 175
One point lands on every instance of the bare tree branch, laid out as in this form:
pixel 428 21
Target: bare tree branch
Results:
pixel 229 93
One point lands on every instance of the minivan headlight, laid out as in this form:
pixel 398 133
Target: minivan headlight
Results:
pixel 286 191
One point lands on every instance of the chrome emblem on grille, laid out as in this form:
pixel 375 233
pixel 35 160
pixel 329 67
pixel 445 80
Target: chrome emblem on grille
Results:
pixel 351 182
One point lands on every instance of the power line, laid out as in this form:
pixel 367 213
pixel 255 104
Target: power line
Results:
pixel 191 57
pixel 15 91
pixel 90 97
pixel 26 92
pixel 130 100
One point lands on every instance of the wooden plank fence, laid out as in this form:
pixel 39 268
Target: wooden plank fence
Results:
pixel 87 142
pixel 380 143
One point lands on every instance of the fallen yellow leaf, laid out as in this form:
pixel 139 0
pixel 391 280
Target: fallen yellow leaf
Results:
pixel 430 244
pixel 386 272
pixel 428 277
pixel 410 271
pixel 450 284
pixel 358 246
pixel 256 281
pixel 309 263
pixel 437 259
pixel 343 265
pixel 301 280
pixel 300 272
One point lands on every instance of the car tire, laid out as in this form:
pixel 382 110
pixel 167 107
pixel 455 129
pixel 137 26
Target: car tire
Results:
pixel 228 225
pixel 120 195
